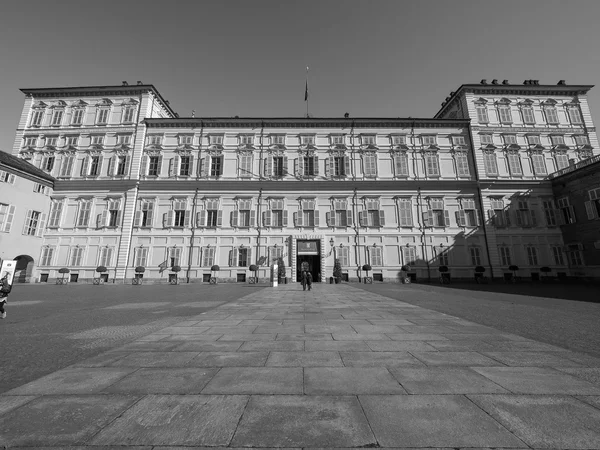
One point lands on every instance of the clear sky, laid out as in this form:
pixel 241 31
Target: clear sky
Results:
pixel 248 58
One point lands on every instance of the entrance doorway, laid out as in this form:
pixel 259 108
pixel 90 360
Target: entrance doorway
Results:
pixel 309 256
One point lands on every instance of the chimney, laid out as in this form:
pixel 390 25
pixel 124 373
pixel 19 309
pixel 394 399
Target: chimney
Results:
pixel 139 83
pixel 561 83
pixel 193 113
pixel 505 82
pixel 346 115
pixel 125 83
pixel 483 81
pixel 494 81
pixel 526 82
pixel 536 82
pixel 447 98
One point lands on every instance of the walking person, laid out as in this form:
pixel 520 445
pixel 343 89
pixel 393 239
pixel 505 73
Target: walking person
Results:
pixel 304 279
pixel 309 280
pixel 5 288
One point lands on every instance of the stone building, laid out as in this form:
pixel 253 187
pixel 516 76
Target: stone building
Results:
pixel 139 186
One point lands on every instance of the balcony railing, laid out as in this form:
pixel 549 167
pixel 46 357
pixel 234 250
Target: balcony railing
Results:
pixel 579 165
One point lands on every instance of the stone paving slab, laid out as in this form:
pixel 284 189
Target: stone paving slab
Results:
pixel 337 367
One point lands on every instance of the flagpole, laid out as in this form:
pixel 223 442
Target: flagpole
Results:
pixel 306 92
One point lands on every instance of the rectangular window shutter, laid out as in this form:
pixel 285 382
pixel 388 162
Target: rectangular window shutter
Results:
pixel 347 167
pixel 300 166
pixel 252 218
pixel 205 166
pixel 519 218
pixel 186 219
pixel 285 219
pixel 233 257
pixel 137 220
pixel 427 218
pixel 144 165
pixel 267 218
pixel 172 167
pixel 150 215
pixel 446 217
pixel 219 218
pixel 159 165
pixel 461 218
pixel 103 219
pixel 349 219
pixel 363 219
pixel 41 225
pixel 110 171
pixel 316 165
pixel 329 167
pixel 381 218
pixel 201 218
pixel 316 216
pixel 176 165
pixel 168 219
pixel 330 218
pixel 298 219
pixel 84 166
pixel 285 165
pixel 533 218
pixel 234 218
pixel 590 210
pixel 269 166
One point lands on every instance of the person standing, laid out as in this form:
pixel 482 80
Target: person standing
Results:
pixel 5 288
pixel 309 279
pixel 304 279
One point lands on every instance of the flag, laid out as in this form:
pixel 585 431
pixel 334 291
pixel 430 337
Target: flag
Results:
pixel 306 88
pixel 162 266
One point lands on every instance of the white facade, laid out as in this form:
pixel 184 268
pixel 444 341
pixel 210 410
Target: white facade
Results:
pixel 139 186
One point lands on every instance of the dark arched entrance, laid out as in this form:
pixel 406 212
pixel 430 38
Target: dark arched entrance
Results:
pixel 24 269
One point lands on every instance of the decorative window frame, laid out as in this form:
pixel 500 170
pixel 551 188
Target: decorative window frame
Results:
pixel 504 104
pixel 574 106
pixel 103 105
pixel 145 163
pixel 128 107
pixel 396 156
pixel 275 152
pixel 330 164
pixel 511 151
pixel 550 105
pixel 432 152
pixel 535 151
pixel 58 108
pixel 481 110
pixel 526 105
pixel 246 152
pixel 38 109
pixel 461 153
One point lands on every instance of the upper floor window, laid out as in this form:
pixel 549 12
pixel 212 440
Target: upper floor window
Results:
pixel 307 166
pixel 398 140
pixel 97 140
pixel 592 206
pixel 562 159
pixel 405 217
pixel 37 117
pixel 551 114
pixel 117 165
pixel 154 139
pixel 67 164
pixel 486 139
pixel 215 139
pixel 245 161
pixel 57 116
pixel 246 139
pixel 429 140
pixel 372 215
pixel 337 139
pixel 528 115
pixel 211 216
pixel 244 216
pixel 48 163
pixel 124 139
pixel 102 116
pixel 504 113
pixel 277 139
pixel 51 141
pixel 7 213
pixel 432 165
pixel 180 210
pixel 482 113
pixel 277 215
pixel 6 177
pixel 458 140
pixel 538 161
pixel 514 163
pixel 308 215
pixel 185 139
pixel 557 140
pixel 113 210
pixel 490 162
pixel 30 141
pixel 462 164
pixel 567 211
pixel 575 115
pixel 56 208
pixel 72 141
pixel 216 166
pixel 307 140
pixel 370 164
pixel 83 213
pixel 509 139
pixel 581 140
pixel 340 215
pixel 525 216
pixel 534 139
pixel 128 114
pixel 145 215
pixel 368 140
pixel 154 165
pixel 467 216
pixel 77 116
pixel 550 213
pixel 275 165
pixel 400 164
pixel 34 223
pixel 337 166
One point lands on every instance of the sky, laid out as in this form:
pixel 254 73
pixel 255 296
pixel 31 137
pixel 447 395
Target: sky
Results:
pixel 374 58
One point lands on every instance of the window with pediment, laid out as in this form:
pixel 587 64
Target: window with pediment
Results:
pixel 308 214
pixel 527 113
pixel 369 160
pixel 432 164
pixel 550 111
pixel 276 215
pixel 67 162
pixel 561 158
pixel 244 216
pixel 212 164
pixel 337 165
pixel 574 113
pixel 372 215
pixel 211 216
pixel 504 111
pixel 538 161
pixel 490 162
pixel 275 164
pixel 482 110
pixel 78 112
pixel 58 112
pixel 118 164
pixel 400 161
pixel 245 163
pixel 103 108
pixel 307 164
pixel 128 111
pixel 462 163
pixel 151 163
pixel 37 115
pixel 513 157
pixel 340 214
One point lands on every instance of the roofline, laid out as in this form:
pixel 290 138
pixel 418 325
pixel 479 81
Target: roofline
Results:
pixel 552 89
pixel 323 121
pixel 88 89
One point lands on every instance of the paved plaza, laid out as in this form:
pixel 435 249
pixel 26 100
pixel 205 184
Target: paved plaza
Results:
pixel 337 366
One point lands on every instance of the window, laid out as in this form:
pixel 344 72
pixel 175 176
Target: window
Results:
pixel 94 168
pixel 534 139
pixel 562 160
pixel 121 165
pixel 185 139
pixel 6 177
pixel 308 166
pixel 247 139
pixel 539 163
pixel 245 214
pixel 475 253
pixel 498 215
pixel 72 141
pixel 141 257
pixel 98 140
pixel 216 166
pixel 514 163
pixel 525 216
pixel 57 116
pixel 532 256
pixel 581 140
pixel 482 114
pixel 48 163
pixel 337 140
pixel 174 256
pixel 124 139
pixel 509 139
pixel 437 216
pixel 128 113
pixel 551 114
pixel 398 140
pixel 307 216
pixel 442 257
pixel 277 139
pixel 51 141
pixel 36 118
pixel 77 117
pixel 47 254
pixel 372 215
pixel 55 213
pixel 215 140
pixel 211 216
pixel 458 140
pixel 102 116
pixel 245 165
pixel 376 254
pixel 277 216
pixel 342 253
pixel 154 166
pixel 180 209
pixel 429 140
pixel 368 140
pixel 370 164
pixel 505 114
pixel 550 213
pixel 467 216
pixel 574 254
pixel 144 216
pixel 575 115
pixel 462 164
pixel 567 211
pixel 557 140
pixel 7 213
pixel 505 257
pixel 76 257
pixel 490 162
pixel 409 254
pixel 432 167
pixel 34 223
pixel 340 215
pixel 337 166
pixel 279 166
pixel 155 139
pixel 208 256
pixel 405 212
pixel 39 188
pixel 528 116
pixel 400 164
pixel 557 253
pixel 114 213
pixel 487 139
pixel 105 256
pixel 240 257
pixel 83 215
pixel 592 206
pixel 29 141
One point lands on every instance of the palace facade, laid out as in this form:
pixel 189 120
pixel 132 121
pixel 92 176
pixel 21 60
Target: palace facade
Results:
pixel 137 185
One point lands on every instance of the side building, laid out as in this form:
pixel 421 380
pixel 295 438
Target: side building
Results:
pixel 139 186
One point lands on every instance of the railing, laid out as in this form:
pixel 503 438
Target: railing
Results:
pixel 579 165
